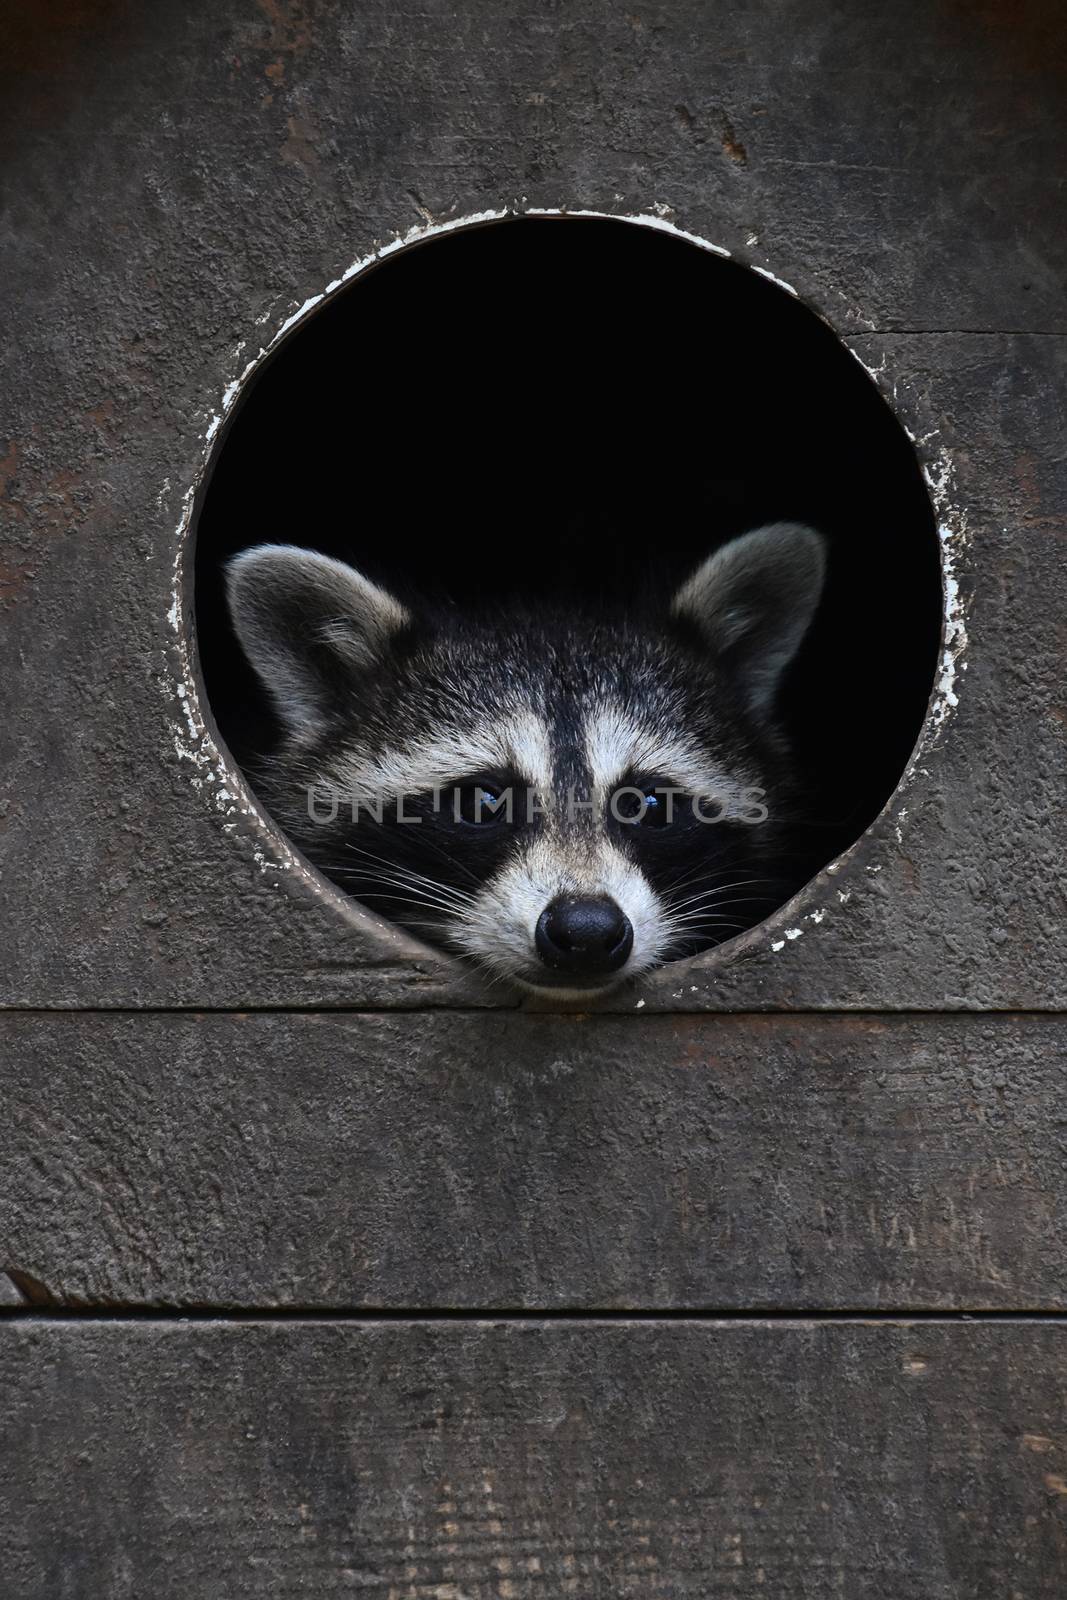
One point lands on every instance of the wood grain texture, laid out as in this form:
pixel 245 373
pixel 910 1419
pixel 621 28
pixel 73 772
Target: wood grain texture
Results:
pixel 505 1462
pixel 901 170
pixel 517 1161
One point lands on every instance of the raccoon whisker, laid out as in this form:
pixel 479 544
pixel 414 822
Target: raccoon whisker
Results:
pixel 490 969
pixel 399 873
pixel 716 901
pixel 711 909
pixel 760 906
pixel 683 879
pixel 407 899
pixel 692 919
pixel 453 861
pixel 386 861
pixel 424 841
pixel 394 875
pixel 491 973
pixel 363 887
pixel 431 902
pixel 721 888
pixel 414 880
pixel 701 871
pixel 408 873
pixel 702 885
pixel 481 964
pixel 414 922
pixel 716 892
pixel 690 940
pixel 689 925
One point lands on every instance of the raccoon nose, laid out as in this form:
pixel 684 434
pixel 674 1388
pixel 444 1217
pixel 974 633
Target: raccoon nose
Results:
pixel 579 934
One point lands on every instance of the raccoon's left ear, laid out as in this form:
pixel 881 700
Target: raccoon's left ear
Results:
pixel 310 626
pixel 753 602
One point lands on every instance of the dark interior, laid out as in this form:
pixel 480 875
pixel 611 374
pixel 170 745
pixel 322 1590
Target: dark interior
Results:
pixel 588 407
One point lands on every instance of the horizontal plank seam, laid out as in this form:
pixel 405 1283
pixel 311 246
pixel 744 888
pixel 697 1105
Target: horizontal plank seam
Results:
pixel 649 1011
pixel 504 1315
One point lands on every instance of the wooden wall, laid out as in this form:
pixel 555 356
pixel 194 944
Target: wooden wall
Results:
pixel 324 1269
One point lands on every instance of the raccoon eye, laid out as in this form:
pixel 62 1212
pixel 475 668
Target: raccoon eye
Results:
pixel 482 803
pixel 640 805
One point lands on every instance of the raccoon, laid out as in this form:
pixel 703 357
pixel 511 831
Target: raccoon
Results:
pixel 567 800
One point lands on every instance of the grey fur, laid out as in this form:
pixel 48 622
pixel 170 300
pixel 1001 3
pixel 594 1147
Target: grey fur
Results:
pixel 754 601
pixel 294 611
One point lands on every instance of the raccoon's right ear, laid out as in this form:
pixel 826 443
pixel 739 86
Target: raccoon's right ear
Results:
pixel 753 602
pixel 309 625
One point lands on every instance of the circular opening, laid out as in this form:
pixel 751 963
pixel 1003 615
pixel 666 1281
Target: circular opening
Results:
pixel 561 415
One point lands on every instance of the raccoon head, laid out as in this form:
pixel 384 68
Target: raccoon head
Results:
pixel 566 800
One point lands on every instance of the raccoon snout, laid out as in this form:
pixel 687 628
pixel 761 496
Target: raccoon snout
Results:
pixel 584 935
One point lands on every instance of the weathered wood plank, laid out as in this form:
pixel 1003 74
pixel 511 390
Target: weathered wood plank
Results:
pixel 181 180
pixel 896 160
pixel 517 1161
pixel 465 1462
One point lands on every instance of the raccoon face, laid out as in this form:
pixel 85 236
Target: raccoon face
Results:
pixel 567 801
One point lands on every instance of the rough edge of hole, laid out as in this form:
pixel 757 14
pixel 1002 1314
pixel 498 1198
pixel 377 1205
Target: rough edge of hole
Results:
pixel 215 775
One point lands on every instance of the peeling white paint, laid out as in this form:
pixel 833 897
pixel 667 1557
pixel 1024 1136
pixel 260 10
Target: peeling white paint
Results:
pixel 656 218
pixel 789 935
pixel 772 278
pixel 952 536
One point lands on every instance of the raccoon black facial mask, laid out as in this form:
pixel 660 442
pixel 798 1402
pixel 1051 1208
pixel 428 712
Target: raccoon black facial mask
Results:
pixel 567 801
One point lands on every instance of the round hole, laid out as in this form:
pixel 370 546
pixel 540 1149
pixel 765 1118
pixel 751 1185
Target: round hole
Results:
pixel 538 415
